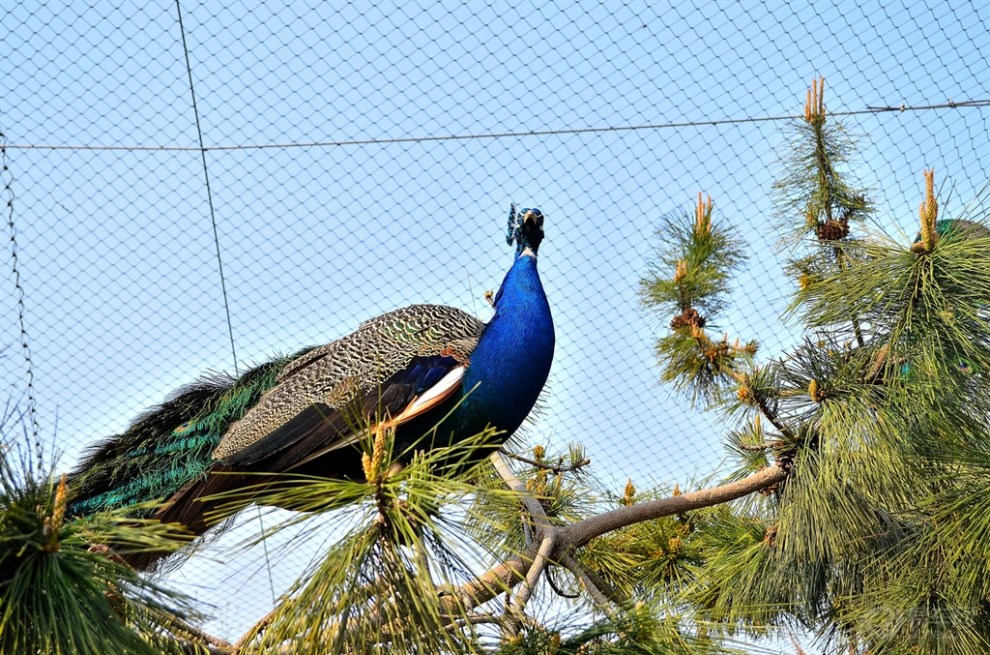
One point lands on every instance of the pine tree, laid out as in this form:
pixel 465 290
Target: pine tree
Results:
pixel 858 511
pixel 877 538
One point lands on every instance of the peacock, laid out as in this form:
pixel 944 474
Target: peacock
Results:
pixel 428 371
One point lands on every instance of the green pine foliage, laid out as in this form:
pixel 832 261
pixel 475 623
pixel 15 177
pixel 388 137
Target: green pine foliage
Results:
pixel 816 184
pixel 702 255
pixel 641 630
pixel 877 539
pixel 60 596
pixel 379 588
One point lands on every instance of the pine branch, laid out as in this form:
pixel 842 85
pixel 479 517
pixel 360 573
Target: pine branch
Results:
pixel 513 570
pixel 748 394
pixel 578 534
pixel 556 469
pixel 600 591
pixel 543 535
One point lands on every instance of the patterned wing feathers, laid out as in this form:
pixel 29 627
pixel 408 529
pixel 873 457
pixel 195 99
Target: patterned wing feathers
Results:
pixel 355 367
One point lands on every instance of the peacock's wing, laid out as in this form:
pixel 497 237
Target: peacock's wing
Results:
pixel 391 368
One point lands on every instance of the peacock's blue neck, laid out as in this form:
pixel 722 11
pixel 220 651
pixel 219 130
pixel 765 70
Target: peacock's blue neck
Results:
pixel 511 362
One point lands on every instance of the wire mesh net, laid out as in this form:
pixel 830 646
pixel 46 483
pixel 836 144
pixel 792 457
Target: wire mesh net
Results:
pixel 194 187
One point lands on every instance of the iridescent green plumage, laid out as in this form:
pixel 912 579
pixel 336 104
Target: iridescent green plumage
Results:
pixel 170 444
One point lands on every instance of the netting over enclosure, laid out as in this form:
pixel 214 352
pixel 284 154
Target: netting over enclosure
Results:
pixel 195 188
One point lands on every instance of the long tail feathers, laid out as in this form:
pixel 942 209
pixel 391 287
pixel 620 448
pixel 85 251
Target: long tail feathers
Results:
pixel 167 452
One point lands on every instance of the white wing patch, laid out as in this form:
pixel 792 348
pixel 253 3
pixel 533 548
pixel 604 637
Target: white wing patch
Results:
pixel 433 396
pixel 439 392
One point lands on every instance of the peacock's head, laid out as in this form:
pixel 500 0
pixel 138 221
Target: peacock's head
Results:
pixel 526 229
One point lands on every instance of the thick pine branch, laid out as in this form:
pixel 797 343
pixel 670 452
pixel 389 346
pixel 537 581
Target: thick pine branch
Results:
pixel 579 534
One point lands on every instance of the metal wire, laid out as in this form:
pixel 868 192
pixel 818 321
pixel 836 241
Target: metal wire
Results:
pixel 495 135
pixel 30 399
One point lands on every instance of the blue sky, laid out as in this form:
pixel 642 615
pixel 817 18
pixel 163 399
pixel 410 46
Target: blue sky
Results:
pixel 116 245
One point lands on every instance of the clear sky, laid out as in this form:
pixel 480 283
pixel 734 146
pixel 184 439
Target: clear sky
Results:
pixel 355 205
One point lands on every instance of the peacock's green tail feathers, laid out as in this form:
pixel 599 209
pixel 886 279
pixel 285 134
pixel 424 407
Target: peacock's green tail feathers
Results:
pixel 171 444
